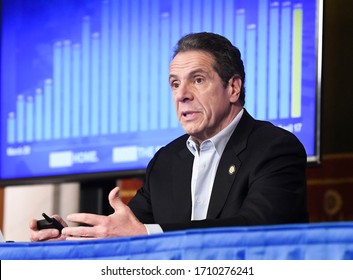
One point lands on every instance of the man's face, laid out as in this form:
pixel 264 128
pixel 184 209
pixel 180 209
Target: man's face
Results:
pixel 203 106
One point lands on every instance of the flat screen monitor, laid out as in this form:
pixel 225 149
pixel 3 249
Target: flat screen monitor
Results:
pixel 84 84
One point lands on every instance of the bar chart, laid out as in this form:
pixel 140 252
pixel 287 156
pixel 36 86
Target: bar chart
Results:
pixel 84 84
pixel 114 79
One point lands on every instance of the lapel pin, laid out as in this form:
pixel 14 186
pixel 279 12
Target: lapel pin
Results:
pixel 231 170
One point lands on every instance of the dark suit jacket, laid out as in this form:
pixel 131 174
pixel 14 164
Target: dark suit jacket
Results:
pixel 267 187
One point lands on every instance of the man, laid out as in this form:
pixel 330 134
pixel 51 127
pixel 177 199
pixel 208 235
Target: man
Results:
pixel 228 170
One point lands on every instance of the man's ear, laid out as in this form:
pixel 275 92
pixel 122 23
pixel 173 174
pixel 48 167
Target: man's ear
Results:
pixel 234 85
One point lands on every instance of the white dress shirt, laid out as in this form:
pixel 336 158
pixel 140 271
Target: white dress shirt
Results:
pixel 205 165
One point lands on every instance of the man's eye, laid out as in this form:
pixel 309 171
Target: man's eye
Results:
pixel 198 80
pixel 174 85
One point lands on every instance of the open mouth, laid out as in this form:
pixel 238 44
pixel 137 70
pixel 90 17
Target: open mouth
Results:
pixel 187 114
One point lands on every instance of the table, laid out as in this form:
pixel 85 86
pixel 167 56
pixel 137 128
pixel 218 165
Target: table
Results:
pixel 313 241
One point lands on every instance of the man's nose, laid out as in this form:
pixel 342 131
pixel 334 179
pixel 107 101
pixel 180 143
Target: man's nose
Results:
pixel 183 93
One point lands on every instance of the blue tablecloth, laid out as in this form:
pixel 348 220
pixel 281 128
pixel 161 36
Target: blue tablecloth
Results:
pixel 316 241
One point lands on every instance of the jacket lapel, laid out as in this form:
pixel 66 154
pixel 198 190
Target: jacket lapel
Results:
pixel 229 165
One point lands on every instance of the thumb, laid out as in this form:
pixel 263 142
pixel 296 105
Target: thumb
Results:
pixel 114 199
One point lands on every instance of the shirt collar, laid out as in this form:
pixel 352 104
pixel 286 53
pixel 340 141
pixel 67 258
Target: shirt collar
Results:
pixel 219 140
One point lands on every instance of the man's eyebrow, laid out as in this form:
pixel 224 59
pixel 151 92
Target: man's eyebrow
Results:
pixel 191 74
pixel 198 71
pixel 172 76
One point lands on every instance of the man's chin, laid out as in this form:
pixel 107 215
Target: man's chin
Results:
pixel 192 131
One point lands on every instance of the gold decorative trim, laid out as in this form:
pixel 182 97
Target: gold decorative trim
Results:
pixel 329 181
pixel 337 156
pixel 332 202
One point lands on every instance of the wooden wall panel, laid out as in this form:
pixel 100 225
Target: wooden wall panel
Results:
pixel 330 189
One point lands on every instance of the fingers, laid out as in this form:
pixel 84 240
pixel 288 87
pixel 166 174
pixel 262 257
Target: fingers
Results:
pixel 81 232
pixel 85 218
pixel 33 224
pixel 60 220
pixel 100 230
pixel 45 234
pixel 114 199
pixel 50 234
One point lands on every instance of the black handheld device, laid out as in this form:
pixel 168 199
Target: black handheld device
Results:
pixel 48 222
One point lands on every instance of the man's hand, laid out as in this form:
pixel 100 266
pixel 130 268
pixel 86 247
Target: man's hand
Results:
pixel 46 234
pixel 121 223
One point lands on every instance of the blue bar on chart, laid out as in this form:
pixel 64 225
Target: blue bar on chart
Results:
pixel 124 36
pixel 273 61
pixel 29 119
pixel 285 59
pixel 144 67
pixel 95 86
pixel 154 71
pixel 229 21
pixel 262 61
pixel 207 14
pixel 114 73
pixel 20 114
pixel 175 21
pixel 240 28
pixel 104 73
pixel 186 11
pixel 57 89
pixel 66 87
pixel 86 65
pixel 48 110
pixel 164 91
pixel 196 24
pixel 76 90
pixel 38 114
pixel 250 67
pixel 175 36
pixel 134 70
pixel 11 128
pixel 217 18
